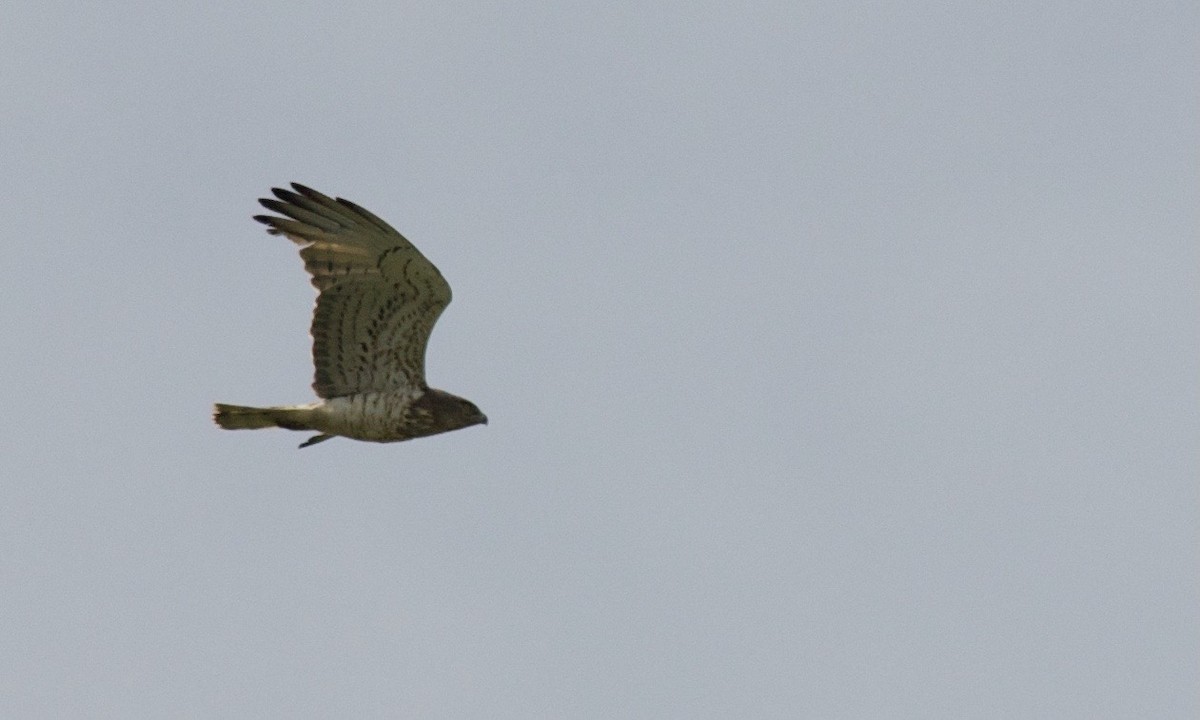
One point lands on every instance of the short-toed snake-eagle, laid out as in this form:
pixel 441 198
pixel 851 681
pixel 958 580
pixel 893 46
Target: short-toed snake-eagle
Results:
pixel 378 299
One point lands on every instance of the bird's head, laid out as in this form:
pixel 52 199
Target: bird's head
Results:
pixel 470 413
pixel 444 412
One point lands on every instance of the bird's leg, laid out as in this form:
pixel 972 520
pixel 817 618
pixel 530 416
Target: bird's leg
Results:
pixel 314 440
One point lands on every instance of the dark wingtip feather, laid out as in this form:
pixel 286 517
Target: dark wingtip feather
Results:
pixel 310 193
pixel 272 204
pixel 288 196
pixel 271 222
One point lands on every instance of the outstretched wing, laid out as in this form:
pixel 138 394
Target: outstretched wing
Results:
pixel 378 296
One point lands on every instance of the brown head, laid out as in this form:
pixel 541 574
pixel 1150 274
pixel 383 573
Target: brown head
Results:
pixel 437 411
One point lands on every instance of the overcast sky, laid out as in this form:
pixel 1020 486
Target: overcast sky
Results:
pixel 841 359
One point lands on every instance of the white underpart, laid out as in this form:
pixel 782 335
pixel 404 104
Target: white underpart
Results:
pixel 365 416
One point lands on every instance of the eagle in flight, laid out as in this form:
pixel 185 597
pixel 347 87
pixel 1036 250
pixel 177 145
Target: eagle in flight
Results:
pixel 377 301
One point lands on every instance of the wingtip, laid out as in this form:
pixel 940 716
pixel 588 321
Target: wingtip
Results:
pixel 266 201
pixel 271 222
pixel 311 194
pixel 287 195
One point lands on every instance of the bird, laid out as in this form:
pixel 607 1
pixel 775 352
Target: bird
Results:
pixel 378 299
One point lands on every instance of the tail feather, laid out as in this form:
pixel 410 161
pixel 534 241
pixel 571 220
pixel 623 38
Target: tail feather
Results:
pixel 240 417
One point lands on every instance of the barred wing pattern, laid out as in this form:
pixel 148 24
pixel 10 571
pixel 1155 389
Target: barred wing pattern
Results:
pixel 378 300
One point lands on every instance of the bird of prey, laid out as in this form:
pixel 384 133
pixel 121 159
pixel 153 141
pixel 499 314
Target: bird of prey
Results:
pixel 377 301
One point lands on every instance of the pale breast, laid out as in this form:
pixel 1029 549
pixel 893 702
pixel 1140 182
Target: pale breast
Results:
pixel 376 416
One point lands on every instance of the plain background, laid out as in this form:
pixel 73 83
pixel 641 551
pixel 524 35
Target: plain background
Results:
pixel 841 361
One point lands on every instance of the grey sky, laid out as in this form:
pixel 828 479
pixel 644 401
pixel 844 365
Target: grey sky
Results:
pixel 841 361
